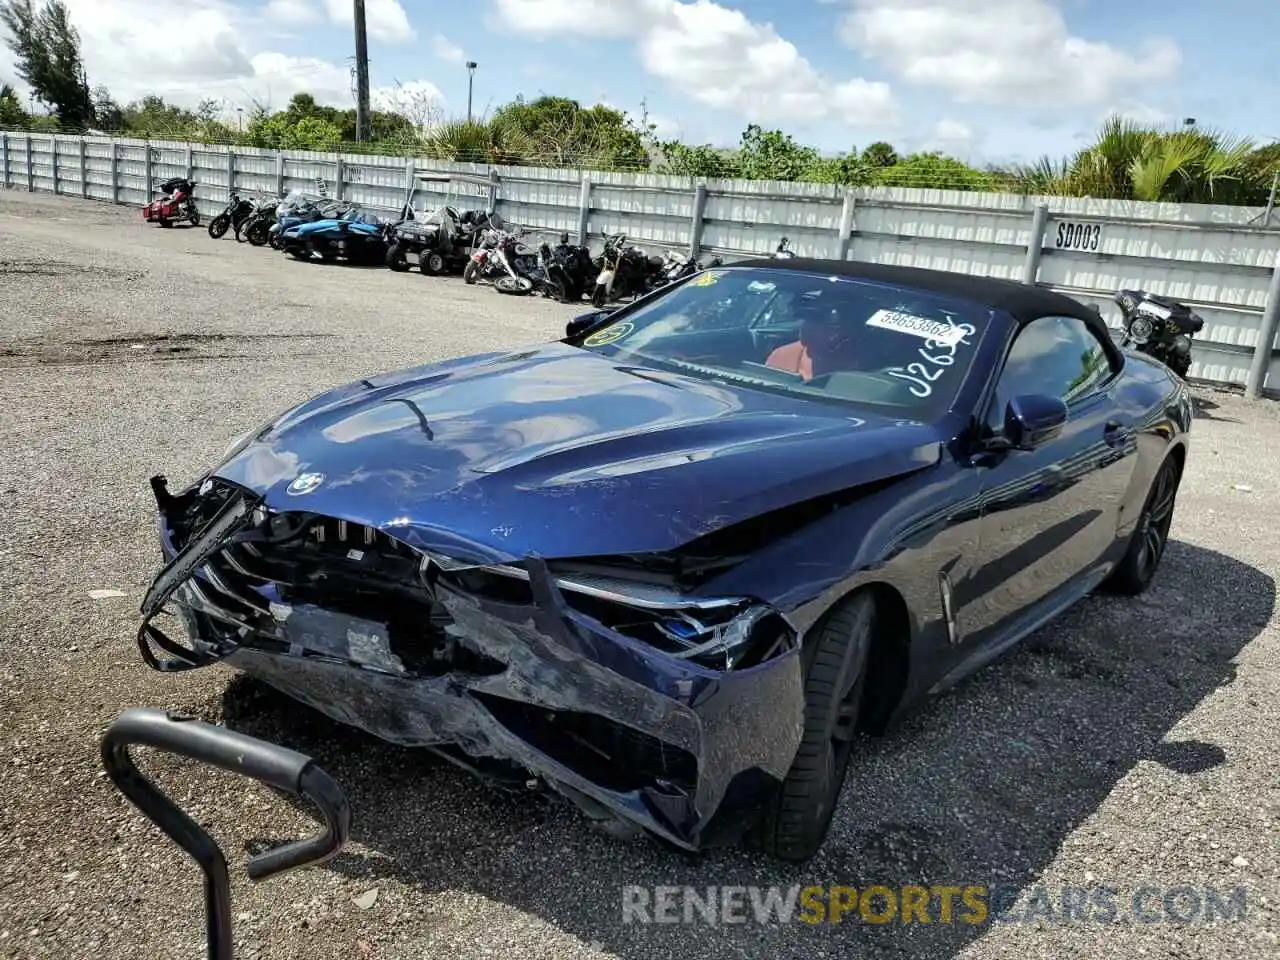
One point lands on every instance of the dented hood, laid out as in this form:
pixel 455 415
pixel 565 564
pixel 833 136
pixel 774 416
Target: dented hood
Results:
pixel 562 452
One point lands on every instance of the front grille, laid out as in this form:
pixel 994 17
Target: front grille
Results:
pixel 347 568
pixel 611 754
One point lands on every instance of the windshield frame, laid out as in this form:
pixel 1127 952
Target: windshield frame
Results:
pixel 955 399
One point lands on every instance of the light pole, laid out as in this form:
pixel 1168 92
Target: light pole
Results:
pixel 240 118
pixel 471 76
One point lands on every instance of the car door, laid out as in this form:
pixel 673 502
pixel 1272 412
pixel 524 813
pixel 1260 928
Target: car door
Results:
pixel 1049 514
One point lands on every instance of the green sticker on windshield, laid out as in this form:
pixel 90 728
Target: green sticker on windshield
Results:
pixel 609 334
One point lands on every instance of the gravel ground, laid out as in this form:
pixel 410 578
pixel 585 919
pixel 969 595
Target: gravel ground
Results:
pixel 1132 743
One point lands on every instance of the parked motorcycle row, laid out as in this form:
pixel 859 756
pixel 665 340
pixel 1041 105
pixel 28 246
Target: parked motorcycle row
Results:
pixel 479 246
pixel 482 248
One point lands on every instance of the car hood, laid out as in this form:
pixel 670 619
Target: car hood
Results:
pixel 562 452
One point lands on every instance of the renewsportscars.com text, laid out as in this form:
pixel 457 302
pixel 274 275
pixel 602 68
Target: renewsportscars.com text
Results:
pixel 972 904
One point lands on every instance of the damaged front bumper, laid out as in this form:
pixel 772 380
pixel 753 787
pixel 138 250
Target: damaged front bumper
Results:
pixel 506 676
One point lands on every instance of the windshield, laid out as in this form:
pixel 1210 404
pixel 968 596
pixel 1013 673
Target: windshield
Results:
pixel 830 338
pixel 442 216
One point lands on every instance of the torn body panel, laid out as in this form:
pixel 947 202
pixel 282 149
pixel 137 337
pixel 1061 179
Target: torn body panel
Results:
pixel 421 651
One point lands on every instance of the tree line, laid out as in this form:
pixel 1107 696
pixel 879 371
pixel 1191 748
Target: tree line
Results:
pixel 1126 160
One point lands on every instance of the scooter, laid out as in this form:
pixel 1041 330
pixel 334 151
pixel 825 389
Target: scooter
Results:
pixel 286 770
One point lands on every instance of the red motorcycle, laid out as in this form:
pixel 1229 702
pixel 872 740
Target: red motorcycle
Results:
pixel 177 204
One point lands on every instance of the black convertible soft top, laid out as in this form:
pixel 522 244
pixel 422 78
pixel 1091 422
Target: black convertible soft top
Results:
pixel 1021 301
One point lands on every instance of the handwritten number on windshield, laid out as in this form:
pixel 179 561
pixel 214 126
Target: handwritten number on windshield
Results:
pixel 921 377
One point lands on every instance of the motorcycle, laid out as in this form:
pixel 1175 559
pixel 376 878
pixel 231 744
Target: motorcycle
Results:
pixel 519 264
pixel 438 244
pixel 177 202
pixel 483 263
pixel 257 228
pixel 357 237
pixel 624 271
pixel 286 770
pixel 677 266
pixel 237 211
pixel 1159 327
pixel 565 270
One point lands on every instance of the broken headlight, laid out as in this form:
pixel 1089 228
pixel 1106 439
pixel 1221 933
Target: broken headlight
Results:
pixel 722 633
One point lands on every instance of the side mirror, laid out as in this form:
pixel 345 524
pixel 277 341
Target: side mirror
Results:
pixel 1031 420
pixel 585 322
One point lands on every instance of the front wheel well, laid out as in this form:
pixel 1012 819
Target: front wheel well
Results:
pixel 887 662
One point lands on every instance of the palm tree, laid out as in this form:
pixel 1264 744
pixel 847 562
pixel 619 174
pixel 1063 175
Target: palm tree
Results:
pixel 1132 162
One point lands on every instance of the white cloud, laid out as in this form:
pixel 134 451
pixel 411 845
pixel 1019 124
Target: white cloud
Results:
pixel 385 20
pixel 130 43
pixel 419 100
pixel 714 54
pixel 131 47
pixel 445 49
pixel 1001 51
pixel 292 11
pixel 952 131
pixel 951 137
pixel 586 18
pixel 1137 112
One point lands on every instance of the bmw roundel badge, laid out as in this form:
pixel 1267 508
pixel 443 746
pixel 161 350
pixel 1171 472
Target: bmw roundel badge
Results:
pixel 305 483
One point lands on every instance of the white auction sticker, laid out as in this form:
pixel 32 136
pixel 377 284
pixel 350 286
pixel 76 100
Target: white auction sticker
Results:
pixel 921 327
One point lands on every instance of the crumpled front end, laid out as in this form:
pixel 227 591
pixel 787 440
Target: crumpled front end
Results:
pixel 678 714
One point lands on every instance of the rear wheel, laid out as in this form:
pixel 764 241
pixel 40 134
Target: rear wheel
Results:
pixel 834 660
pixel 257 233
pixel 194 217
pixel 395 258
pixel 219 225
pixel 1138 568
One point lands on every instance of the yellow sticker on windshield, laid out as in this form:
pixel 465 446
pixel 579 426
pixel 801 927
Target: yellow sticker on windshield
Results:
pixel 609 334
pixel 706 279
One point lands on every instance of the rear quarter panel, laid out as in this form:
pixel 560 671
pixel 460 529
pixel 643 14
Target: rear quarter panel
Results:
pixel 1158 403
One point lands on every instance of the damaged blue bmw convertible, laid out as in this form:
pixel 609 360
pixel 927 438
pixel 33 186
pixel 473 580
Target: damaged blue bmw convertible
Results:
pixel 673 565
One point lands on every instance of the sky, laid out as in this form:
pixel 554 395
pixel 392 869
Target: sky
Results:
pixel 984 80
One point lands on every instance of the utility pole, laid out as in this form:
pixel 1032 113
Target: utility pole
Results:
pixel 471 76
pixel 362 74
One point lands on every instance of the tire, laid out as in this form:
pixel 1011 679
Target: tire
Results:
pixel 165 223
pixel 1141 560
pixel 257 233
pixel 218 226
pixel 432 264
pixel 834 660
pixel 194 217
pixel 599 296
pixel 471 272
pixel 514 286
pixel 395 258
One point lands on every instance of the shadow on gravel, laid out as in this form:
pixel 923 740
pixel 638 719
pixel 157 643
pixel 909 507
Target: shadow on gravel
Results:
pixel 982 787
